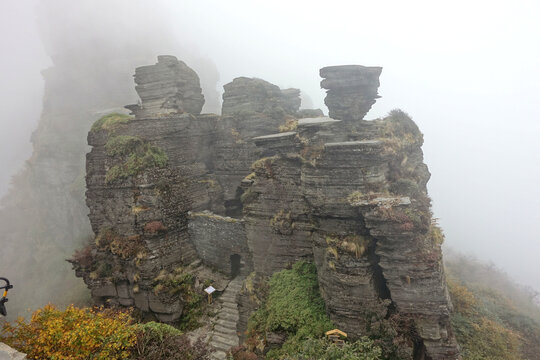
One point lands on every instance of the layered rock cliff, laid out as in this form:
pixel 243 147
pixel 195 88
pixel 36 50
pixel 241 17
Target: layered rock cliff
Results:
pixel 259 188
pixel 44 217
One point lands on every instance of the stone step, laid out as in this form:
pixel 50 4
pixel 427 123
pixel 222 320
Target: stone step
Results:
pixel 229 305
pixel 218 345
pixel 226 323
pixel 228 297
pixel 220 329
pixel 218 355
pixel 229 316
pixel 224 336
pixel 234 286
pixel 228 309
pixel 227 340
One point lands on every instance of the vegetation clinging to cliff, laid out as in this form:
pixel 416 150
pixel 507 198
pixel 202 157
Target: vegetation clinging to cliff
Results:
pixel 110 122
pixel 180 283
pixel 290 125
pixel 294 306
pixel 399 132
pixel 493 317
pixel 139 155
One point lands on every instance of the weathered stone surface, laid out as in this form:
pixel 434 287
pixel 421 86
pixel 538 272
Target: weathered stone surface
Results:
pixel 282 143
pixel 351 90
pixel 217 239
pixel 145 216
pixel 169 86
pixel 309 113
pixel 8 353
pixel 245 96
pixel 362 186
pixel 290 100
pixel 276 215
pixel 251 108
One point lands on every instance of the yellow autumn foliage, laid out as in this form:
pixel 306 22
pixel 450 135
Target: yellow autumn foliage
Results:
pixel 72 334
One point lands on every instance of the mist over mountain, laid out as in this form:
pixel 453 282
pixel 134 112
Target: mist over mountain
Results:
pixel 471 88
pixel 44 215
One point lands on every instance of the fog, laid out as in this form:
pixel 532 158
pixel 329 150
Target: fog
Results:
pixel 467 72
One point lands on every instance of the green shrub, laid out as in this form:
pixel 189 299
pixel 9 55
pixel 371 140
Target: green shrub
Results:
pixel 294 306
pixel 321 349
pixel 123 145
pixel 181 283
pixel 139 156
pixel 158 330
pixel 399 132
pixel 497 298
pixel 123 246
pixel 110 122
pixel 355 197
pixel 84 333
pixel 263 167
pixel 156 341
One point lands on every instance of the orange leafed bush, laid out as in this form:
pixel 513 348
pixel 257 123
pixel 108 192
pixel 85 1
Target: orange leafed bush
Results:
pixel 72 334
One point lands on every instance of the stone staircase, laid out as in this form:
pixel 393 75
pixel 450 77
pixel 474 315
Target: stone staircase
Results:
pixel 224 335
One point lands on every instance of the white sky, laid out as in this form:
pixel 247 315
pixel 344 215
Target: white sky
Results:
pixel 466 71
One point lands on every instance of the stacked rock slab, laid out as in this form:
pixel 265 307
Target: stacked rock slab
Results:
pixel 251 107
pixel 140 215
pixel 277 225
pixel 362 185
pixel 169 86
pixel 351 90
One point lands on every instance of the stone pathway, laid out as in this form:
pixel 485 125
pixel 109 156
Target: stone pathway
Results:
pixel 224 336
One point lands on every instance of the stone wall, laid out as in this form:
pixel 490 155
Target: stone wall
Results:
pixel 217 239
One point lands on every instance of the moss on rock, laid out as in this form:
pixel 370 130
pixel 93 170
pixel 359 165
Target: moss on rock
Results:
pixel 139 155
pixel 110 122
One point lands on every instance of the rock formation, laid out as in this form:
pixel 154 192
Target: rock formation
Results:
pixel 169 86
pixel 171 193
pixel 352 90
pixel 149 178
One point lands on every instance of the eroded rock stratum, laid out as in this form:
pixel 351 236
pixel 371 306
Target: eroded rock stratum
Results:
pixel 261 187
